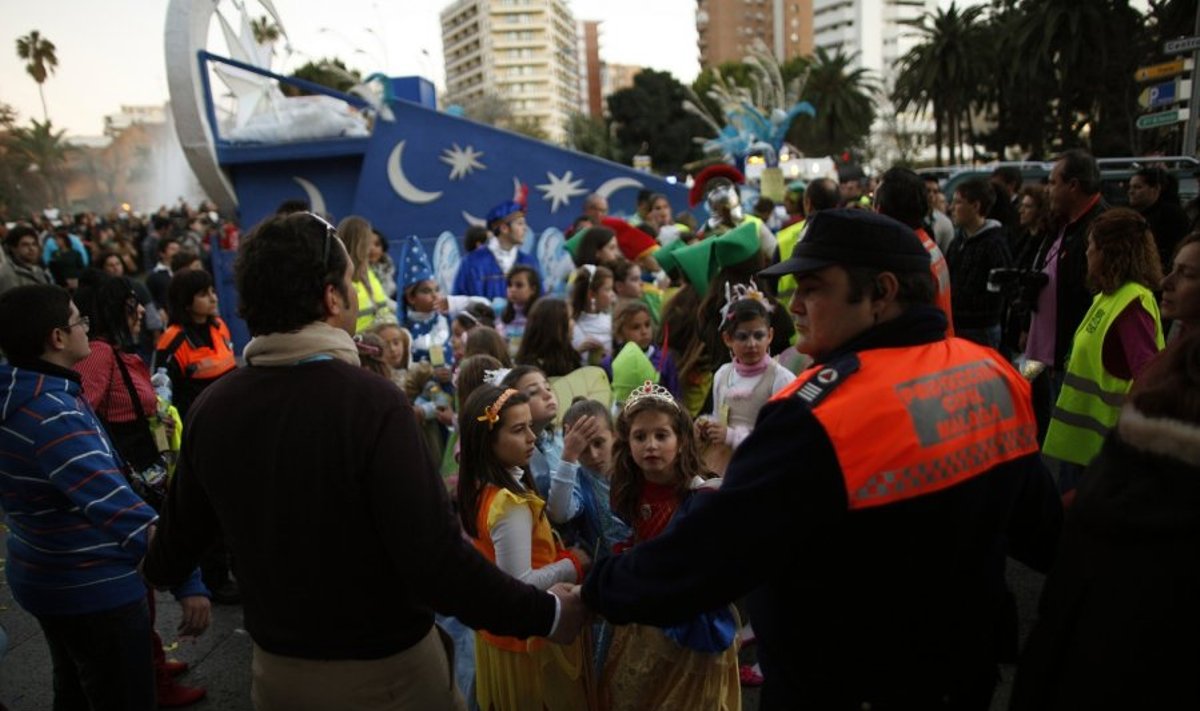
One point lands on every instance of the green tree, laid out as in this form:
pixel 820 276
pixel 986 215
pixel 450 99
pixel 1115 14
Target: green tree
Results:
pixel 40 61
pixel 589 134
pixel 332 73
pixel 843 99
pixel 943 73
pixel 649 118
pixel 41 153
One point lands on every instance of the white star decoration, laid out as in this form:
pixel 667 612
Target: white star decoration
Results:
pixel 559 191
pixel 462 161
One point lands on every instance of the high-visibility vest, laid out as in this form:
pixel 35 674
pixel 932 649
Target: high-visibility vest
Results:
pixel 787 239
pixel 907 422
pixel 941 277
pixel 1091 397
pixel 197 361
pixel 544 552
pixel 371 304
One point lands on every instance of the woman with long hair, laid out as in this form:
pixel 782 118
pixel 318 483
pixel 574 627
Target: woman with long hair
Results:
pixel 373 302
pixel 1118 336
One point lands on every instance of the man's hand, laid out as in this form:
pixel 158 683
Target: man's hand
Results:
pixel 572 615
pixel 197 613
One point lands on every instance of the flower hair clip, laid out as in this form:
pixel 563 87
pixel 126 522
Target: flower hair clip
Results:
pixel 650 390
pixel 741 292
pixel 491 413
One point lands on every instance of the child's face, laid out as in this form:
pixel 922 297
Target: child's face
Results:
pixel 598 452
pixel 424 296
pixel 639 330
pixel 631 287
pixel 519 289
pixel 654 446
pixel 542 403
pixel 604 295
pixel 513 443
pixel 394 350
pixel 749 340
pixel 609 252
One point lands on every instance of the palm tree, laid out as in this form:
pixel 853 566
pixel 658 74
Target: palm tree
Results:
pixel 842 97
pixel 41 150
pixel 944 72
pixel 265 31
pixel 38 53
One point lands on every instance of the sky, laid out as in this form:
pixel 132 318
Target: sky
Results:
pixel 110 53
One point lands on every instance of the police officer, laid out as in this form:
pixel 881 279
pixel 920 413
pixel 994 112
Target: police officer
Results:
pixel 869 513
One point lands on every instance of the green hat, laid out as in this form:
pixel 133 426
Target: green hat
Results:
pixel 701 261
pixel 572 245
pixel 630 369
pixel 665 256
pixel 737 245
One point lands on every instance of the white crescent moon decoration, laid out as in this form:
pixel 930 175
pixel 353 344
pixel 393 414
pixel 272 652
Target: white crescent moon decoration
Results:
pixel 609 187
pixel 473 220
pixel 400 182
pixel 315 200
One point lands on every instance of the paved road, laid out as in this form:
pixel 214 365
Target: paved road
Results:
pixel 221 658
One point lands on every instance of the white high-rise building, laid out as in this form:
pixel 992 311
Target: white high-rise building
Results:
pixel 870 28
pixel 522 50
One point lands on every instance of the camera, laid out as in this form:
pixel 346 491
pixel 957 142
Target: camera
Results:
pixel 1020 287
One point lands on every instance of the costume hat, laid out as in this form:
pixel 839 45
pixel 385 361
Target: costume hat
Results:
pixel 413 266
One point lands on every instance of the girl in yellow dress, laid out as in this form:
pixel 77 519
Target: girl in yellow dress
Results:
pixel 505 518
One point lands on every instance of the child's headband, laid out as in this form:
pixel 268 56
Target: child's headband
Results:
pixel 491 413
pixel 649 390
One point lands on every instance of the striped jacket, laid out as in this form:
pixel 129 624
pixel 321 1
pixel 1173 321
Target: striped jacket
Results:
pixel 76 532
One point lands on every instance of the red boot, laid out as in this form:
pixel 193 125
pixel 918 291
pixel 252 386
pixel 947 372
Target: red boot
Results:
pixel 171 694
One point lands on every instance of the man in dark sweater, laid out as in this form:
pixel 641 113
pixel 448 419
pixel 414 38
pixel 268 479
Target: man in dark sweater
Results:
pixel 342 536
pixel 869 512
pixel 977 249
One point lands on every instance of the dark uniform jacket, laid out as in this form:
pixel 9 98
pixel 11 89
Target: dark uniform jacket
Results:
pixel 899 603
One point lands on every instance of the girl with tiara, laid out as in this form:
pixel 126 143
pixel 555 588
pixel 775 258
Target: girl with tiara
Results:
pixel 657 474
pixel 742 386
pixel 505 519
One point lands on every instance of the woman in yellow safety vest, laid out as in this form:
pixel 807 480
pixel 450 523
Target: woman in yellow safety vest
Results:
pixel 373 303
pixel 1120 334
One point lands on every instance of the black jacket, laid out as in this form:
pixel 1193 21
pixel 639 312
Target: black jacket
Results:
pixel 1072 296
pixel 898 603
pixel 342 537
pixel 970 260
pixel 1119 620
pixel 1169 223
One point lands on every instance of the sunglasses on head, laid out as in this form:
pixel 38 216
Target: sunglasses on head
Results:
pixel 330 233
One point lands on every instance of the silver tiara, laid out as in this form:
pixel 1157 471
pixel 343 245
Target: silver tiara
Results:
pixel 650 390
pixel 495 377
pixel 740 292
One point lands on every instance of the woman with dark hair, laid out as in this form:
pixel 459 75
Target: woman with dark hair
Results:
pixel 1181 286
pixel 116 383
pixel 1117 622
pixel 547 340
pixel 597 246
pixel 196 348
pixel 1120 334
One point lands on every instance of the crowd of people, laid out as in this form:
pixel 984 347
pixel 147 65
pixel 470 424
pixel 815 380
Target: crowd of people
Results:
pixel 821 433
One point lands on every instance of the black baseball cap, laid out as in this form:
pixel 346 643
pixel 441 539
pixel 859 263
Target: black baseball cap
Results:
pixel 854 238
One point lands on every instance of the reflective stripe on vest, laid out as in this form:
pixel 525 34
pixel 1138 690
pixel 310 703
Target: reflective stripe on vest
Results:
pixel 898 437
pixel 544 552
pixel 941 277
pixel 1091 397
pixel 202 362
pixel 370 302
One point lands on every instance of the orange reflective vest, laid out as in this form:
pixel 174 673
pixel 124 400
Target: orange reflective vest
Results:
pixel 941 277
pixel 199 362
pixel 906 422
pixel 544 552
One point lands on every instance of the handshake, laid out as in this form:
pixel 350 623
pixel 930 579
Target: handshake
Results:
pixel 572 613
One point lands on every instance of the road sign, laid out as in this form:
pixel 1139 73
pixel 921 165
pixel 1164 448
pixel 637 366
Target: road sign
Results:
pixel 1162 118
pixel 1183 44
pixel 1165 94
pixel 1164 70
